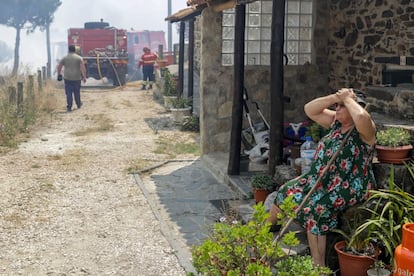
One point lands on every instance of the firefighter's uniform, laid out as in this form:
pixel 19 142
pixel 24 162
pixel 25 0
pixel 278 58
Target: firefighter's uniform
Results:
pixel 147 62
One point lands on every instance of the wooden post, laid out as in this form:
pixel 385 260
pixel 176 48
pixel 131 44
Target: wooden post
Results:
pixel 238 85
pixel 11 90
pixel 20 97
pixel 39 80
pixel 31 85
pixel 276 86
pixel 44 77
pixel 190 81
pixel 48 71
pixel 160 51
pixel 181 61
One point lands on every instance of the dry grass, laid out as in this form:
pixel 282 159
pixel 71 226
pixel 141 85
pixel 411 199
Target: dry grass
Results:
pixel 100 124
pixel 170 145
pixel 71 158
pixel 16 121
pixel 177 143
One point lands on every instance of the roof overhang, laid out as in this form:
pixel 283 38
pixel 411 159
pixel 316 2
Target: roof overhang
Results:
pixel 196 7
pixel 186 14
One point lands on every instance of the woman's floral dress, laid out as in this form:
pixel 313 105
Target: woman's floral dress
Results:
pixel 346 182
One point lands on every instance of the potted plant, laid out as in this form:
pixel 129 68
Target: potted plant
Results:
pixel 300 265
pixel 389 210
pixel 234 248
pixel 180 108
pixel 378 269
pixel 262 185
pixel 169 87
pixel 393 145
pixel 356 253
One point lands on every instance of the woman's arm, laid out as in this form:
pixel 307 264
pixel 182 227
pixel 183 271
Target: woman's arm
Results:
pixel 318 111
pixel 360 116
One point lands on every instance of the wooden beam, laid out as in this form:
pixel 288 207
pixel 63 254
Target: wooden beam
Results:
pixel 238 84
pixel 276 86
pixel 191 58
pixel 181 60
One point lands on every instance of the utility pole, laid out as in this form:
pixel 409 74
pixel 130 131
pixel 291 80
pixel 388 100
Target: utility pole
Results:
pixel 170 49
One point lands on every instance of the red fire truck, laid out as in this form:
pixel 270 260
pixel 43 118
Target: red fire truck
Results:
pixel 104 50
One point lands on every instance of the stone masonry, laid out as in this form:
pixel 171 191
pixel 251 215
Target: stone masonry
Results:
pixel 352 42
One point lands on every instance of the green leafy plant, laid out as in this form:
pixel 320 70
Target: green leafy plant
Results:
pixel 393 137
pixel 316 131
pixel 234 248
pixel 300 265
pixel 378 269
pixel 237 248
pixel 357 243
pixel 169 84
pixel 262 181
pixel 181 102
pixel 190 123
pixel 390 209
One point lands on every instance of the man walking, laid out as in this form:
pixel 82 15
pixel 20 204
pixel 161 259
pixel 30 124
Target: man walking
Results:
pixel 74 72
pixel 147 62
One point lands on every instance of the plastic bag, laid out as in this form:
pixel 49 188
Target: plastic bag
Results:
pixel 259 153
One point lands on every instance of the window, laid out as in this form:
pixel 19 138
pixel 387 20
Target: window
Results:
pixel 298 33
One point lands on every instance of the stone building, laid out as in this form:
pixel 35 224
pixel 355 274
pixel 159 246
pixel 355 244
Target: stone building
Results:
pixel 366 44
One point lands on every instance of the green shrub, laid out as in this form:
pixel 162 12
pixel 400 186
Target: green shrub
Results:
pixel 393 137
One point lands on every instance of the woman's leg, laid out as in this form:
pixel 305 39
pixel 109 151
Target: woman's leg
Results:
pixel 317 245
pixel 274 211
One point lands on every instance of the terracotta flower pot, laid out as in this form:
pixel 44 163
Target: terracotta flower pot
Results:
pixel 393 155
pixel 353 265
pixel 260 195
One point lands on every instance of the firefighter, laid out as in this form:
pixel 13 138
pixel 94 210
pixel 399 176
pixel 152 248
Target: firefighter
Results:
pixel 147 62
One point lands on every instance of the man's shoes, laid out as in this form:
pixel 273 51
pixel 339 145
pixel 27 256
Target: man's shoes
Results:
pixel 68 109
pixel 143 87
pixel 150 86
pixel 80 105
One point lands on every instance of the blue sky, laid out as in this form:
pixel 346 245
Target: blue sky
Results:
pixel 126 14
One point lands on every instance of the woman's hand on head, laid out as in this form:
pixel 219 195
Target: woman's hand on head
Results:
pixel 345 93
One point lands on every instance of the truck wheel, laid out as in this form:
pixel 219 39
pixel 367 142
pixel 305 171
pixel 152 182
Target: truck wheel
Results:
pixel 121 75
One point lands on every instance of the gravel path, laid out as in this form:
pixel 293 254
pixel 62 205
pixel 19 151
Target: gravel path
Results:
pixel 68 205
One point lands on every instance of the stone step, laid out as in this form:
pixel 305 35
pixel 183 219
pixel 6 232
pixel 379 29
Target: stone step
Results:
pixel 394 102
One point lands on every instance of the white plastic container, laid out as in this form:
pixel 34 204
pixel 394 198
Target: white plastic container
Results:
pixel 307 153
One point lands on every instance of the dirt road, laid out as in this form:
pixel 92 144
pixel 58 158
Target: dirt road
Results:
pixel 68 205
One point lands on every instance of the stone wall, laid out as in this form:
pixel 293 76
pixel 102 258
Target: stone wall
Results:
pixel 301 83
pixel 364 35
pixel 215 87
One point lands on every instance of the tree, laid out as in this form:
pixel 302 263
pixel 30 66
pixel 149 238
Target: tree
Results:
pixel 28 15
pixel 47 8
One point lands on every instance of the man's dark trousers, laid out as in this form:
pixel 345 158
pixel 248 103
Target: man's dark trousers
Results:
pixel 72 87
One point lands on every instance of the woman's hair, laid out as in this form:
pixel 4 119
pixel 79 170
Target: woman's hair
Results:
pixel 360 97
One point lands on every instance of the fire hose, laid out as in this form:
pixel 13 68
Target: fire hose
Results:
pixel 113 67
pixel 317 182
pixel 99 66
